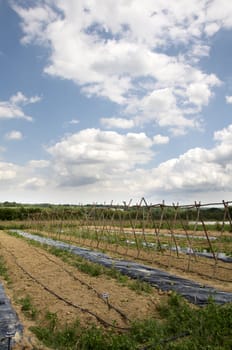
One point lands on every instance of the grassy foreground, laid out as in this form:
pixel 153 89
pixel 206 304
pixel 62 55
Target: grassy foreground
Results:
pixel 180 327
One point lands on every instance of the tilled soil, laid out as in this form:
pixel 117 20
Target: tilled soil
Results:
pixel 60 288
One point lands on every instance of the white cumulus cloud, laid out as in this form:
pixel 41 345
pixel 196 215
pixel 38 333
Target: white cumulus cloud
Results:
pixel 8 171
pixel 117 57
pixel 14 135
pixel 228 99
pixel 198 170
pixel 34 183
pixel 119 123
pixel 92 156
pixel 38 163
pixel 13 108
pixel 74 121
pixel 160 139
pixel 107 164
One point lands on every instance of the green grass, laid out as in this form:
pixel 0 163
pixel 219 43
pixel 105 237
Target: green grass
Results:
pixel 3 270
pixel 52 334
pixel 27 307
pixel 90 269
pixel 207 328
pixel 179 327
pixel 224 239
pixel 140 286
pixel 117 275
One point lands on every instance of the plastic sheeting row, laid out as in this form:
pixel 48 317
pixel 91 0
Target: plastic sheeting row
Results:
pixel 10 326
pixel 194 292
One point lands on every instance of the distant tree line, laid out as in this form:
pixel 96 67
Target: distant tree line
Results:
pixel 14 211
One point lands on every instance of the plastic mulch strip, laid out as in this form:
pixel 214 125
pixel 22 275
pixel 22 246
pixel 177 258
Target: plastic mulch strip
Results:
pixel 10 326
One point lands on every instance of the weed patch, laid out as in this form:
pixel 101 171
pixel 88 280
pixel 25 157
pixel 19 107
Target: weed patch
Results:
pixel 3 270
pixel 181 327
pixel 27 307
pixel 140 286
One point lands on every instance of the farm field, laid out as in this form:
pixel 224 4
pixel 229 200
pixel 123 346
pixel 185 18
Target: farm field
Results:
pixel 66 302
pixel 53 288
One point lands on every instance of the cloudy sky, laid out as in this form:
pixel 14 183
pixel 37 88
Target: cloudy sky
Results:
pixel 106 100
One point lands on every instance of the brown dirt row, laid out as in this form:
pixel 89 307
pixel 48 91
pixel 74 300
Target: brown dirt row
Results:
pixel 25 261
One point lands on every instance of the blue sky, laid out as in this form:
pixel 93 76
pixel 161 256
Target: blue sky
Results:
pixel 112 100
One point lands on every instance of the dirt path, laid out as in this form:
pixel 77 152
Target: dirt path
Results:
pixel 59 288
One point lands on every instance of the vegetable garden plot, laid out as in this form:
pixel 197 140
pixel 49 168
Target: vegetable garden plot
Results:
pixel 175 236
pixel 192 291
pixel 190 261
